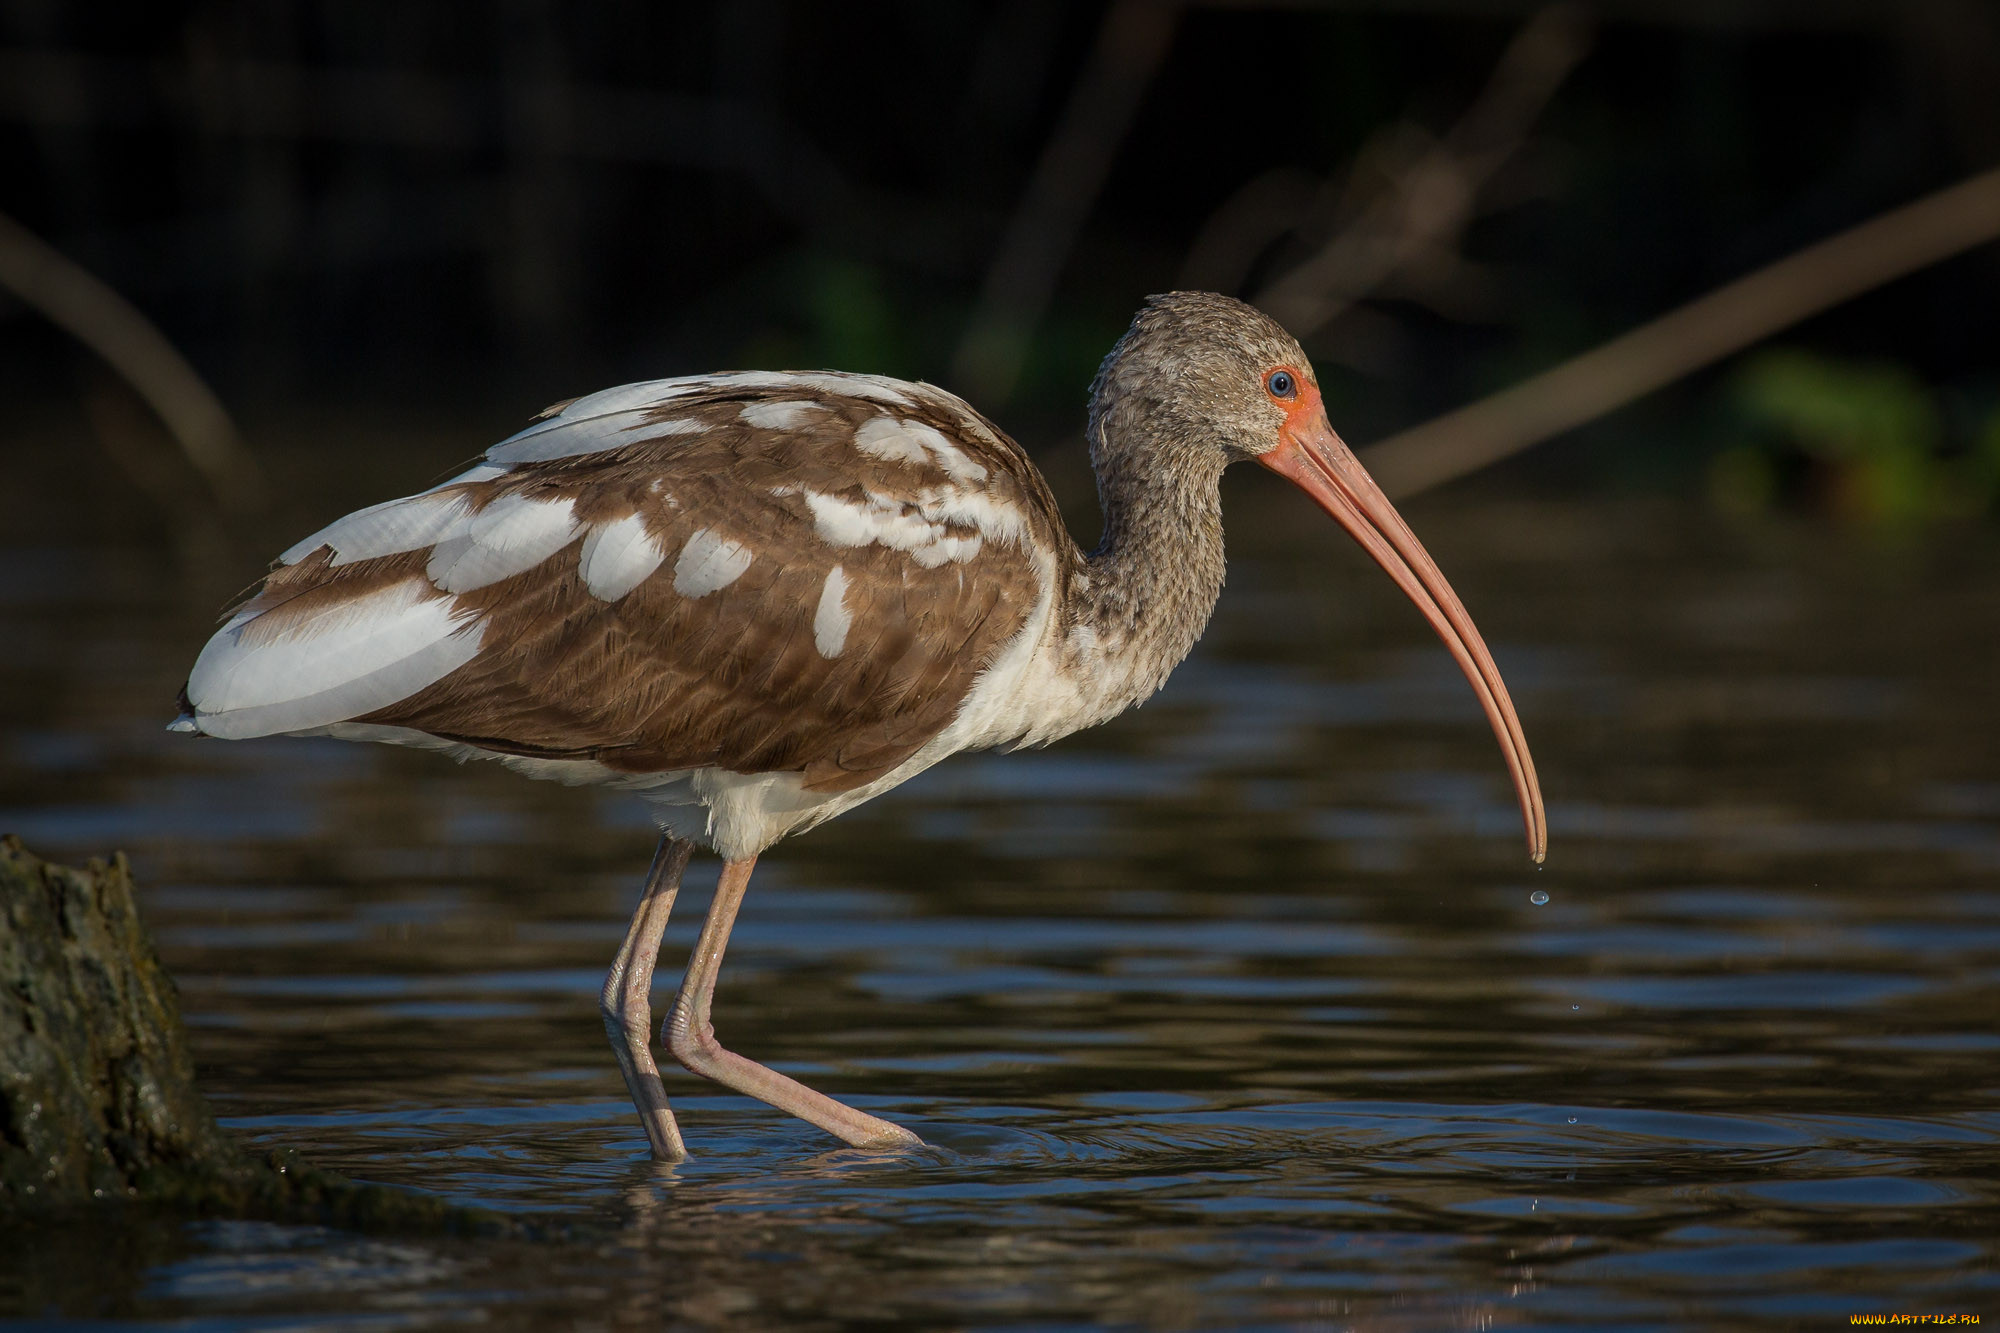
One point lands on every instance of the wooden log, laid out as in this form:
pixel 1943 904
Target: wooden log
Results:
pixel 98 1104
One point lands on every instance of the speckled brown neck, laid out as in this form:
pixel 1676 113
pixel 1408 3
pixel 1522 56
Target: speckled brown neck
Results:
pixel 1156 574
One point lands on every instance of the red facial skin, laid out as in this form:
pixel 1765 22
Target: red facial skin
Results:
pixel 1314 459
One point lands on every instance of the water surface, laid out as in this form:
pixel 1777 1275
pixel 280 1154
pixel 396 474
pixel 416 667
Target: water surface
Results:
pixel 1237 1013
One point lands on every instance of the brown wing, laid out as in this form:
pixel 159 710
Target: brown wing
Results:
pixel 829 574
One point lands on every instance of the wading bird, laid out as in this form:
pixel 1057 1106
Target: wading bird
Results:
pixel 757 600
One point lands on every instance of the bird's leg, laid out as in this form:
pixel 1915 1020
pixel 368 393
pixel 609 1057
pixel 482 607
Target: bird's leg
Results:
pixel 626 1004
pixel 691 1036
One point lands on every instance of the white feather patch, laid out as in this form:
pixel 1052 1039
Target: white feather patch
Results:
pixel 780 416
pixel 709 563
pixel 618 557
pixel 508 537
pixel 385 529
pixel 885 438
pixel 620 398
pixel 996 520
pixel 611 418
pixel 571 437
pixel 744 379
pixel 875 388
pixel 477 473
pixel 949 456
pixel 914 442
pixel 885 521
pixel 625 397
pixel 347 660
pixel 832 620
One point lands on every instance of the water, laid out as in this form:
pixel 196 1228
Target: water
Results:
pixel 1247 1011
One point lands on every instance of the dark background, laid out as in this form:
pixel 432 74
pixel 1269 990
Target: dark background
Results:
pixel 464 211
pixel 1244 1011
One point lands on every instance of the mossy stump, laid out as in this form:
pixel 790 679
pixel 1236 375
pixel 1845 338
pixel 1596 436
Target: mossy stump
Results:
pixel 98 1104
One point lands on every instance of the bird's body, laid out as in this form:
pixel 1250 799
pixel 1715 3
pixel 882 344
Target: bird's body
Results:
pixel 757 600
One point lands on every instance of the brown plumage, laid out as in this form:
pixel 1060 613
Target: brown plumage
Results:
pixel 733 679
pixel 760 599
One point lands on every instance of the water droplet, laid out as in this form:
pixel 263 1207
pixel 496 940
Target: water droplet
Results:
pixel 1539 898
pixel 1572 1120
pixel 1573 1008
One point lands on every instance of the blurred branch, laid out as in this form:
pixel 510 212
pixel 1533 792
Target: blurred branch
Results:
pixel 1426 192
pixel 76 301
pixel 1726 320
pixel 1130 46
pixel 1263 210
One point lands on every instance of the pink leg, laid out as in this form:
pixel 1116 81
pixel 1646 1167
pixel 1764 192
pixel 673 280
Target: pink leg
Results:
pixel 626 1003
pixel 691 1036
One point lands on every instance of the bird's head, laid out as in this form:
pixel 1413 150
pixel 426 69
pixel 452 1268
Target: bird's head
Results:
pixel 1201 381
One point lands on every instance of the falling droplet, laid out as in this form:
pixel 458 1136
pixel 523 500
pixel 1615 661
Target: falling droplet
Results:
pixel 1539 898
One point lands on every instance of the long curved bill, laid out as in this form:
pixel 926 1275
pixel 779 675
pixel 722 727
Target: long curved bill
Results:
pixel 1315 459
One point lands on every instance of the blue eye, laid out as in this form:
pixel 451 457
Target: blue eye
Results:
pixel 1281 384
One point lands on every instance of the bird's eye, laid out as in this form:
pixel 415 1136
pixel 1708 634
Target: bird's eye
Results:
pixel 1280 384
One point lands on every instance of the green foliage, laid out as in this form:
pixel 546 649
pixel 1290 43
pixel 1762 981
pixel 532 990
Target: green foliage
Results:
pixel 853 320
pixel 1868 440
pixel 828 312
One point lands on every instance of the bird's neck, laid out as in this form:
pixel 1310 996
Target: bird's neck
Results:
pixel 1152 583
